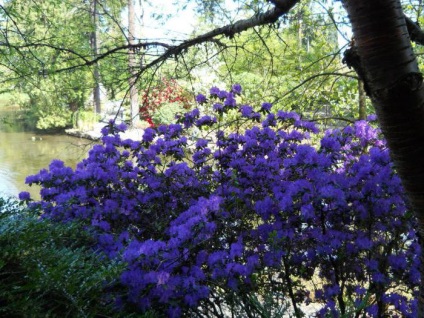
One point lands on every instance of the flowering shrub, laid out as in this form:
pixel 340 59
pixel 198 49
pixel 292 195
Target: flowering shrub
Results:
pixel 261 210
pixel 167 92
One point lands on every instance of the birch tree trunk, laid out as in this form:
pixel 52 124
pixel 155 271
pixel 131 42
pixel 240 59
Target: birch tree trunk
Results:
pixel 382 56
pixel 95 51
pixel 132 64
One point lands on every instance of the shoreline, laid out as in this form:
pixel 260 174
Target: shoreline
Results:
pixel 95 133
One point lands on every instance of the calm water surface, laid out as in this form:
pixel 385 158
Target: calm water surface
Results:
pixel 24 153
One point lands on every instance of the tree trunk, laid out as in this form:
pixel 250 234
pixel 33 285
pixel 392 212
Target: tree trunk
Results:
pixel 95 51
pixel 362 101
pixel 382 55
pixel 132 64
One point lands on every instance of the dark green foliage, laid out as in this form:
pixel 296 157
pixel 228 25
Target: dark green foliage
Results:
pixel 49 269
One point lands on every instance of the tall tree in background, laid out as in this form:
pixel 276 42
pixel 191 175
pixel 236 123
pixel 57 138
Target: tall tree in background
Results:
pixel 132 64
pixel 95 51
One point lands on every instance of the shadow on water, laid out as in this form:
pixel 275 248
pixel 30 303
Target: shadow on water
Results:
pixel 24 153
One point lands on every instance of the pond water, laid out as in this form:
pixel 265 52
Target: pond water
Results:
pixel 24 153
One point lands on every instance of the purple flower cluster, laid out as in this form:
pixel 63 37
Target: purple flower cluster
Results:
pixel 261 209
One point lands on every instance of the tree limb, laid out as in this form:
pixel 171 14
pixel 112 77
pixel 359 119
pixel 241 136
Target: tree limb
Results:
pixel 416 34
pixel 272 15
pixel 230 30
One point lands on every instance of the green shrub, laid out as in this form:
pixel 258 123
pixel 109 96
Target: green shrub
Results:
pixel 49 269
pixel 165 114
pixel 53 120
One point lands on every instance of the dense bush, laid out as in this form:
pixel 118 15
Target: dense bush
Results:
pixel 49 102
pixel 165 114
pixel 260 219
pixel 48 269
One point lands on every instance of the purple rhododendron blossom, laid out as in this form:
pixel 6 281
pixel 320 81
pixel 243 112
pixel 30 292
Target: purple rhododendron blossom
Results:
pixel 24 196
pixel 149 134
pixel 222 94
pixel 246 110
pixel 201 99
pixel 230 101
pixel 236 89
pixel 201 143
pixel 214 91
pixel 218 107
pixel 122 126
pixel 206 121
pixel 266 106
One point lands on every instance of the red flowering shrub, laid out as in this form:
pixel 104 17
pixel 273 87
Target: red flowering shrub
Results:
pixel 167 91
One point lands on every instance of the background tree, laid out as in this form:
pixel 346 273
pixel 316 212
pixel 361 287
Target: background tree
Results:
pixel 132 64
pixel 33 55
pixel 44 43
pixel 94 49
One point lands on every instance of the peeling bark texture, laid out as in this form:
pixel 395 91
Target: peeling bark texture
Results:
pixel 395 85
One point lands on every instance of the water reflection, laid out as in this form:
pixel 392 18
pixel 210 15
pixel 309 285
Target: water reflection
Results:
pixel 25 153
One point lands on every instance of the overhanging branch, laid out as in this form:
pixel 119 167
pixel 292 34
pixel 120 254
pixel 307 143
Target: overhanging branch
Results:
pixel 271 16
pixel 282 7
